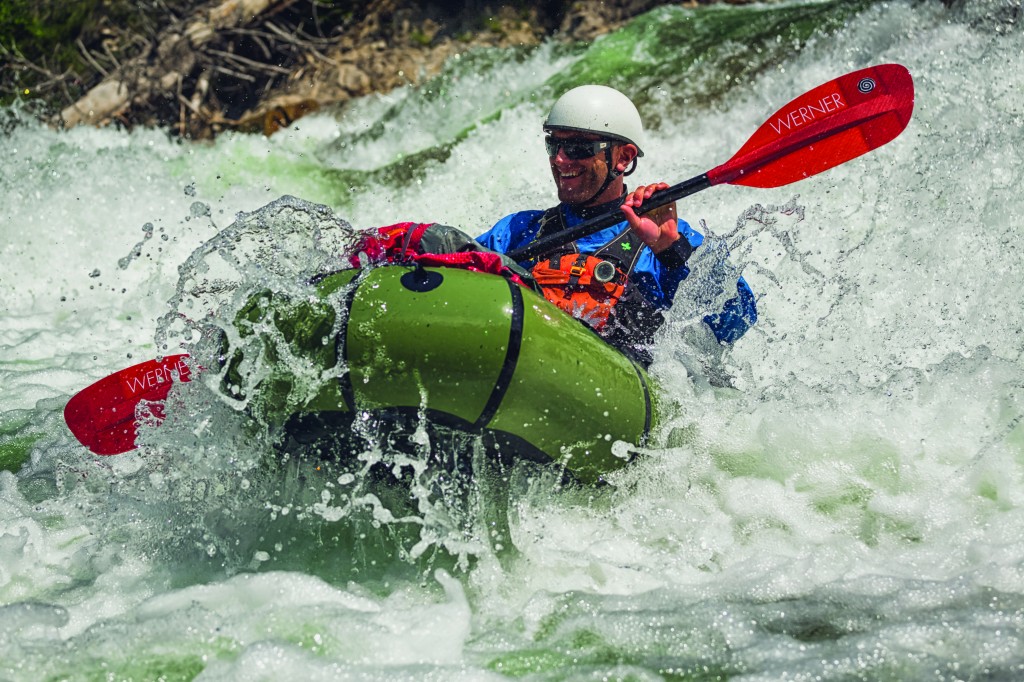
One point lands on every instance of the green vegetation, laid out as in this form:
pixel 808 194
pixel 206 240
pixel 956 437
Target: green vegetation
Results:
pixel 44 44
pixel 41 29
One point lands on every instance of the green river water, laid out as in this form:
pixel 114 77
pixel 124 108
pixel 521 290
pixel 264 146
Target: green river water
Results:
pixel 850 509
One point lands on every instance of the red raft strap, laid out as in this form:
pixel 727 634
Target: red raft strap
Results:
pixel 401 243
pixel 389 244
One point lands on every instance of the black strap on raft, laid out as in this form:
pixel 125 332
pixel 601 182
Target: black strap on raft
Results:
pixel 508 366
pixel 405 258
pixel 505 375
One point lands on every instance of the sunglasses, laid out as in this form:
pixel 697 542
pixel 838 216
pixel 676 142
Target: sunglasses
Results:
pixel 575 148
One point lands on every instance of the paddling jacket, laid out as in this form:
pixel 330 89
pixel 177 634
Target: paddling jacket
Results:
pixel 651 279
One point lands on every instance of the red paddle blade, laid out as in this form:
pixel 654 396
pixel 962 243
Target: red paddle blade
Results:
pixel 831 124
pixel 102 416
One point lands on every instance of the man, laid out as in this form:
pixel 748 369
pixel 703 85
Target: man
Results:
pixel 621 279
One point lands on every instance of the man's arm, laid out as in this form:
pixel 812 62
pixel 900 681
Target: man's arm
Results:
pixel 738 315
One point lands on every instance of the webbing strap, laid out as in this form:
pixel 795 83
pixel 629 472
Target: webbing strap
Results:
pixel 508 367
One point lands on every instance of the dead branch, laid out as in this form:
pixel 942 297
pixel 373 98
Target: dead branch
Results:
pixel 177 52
pixel 241 63
pixel 18 63
pixel 252 63
pixel 89 58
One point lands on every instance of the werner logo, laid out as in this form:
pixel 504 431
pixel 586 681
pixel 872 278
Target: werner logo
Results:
pixel 808 113
pixel 158 375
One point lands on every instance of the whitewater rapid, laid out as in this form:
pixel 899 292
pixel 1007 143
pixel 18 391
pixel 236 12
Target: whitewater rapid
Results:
pixel 850 509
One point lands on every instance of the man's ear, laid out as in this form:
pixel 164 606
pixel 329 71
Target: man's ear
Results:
pixel 627 154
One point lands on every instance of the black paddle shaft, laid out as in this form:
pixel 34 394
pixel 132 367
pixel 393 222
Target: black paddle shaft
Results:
pixel 613 217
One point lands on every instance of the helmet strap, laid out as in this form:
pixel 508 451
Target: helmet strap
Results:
pixel 612 173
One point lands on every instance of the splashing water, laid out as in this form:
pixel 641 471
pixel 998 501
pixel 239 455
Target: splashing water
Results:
pixel 837 496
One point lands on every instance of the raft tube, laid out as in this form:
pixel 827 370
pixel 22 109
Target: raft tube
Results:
pixel 470 350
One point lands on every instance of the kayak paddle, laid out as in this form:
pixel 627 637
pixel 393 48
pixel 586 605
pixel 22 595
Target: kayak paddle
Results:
pixel 821 129
pixel 103 416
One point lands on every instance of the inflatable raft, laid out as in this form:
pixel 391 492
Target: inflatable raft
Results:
pixel 469 350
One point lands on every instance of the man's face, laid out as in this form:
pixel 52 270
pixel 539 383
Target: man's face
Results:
pixel 578 180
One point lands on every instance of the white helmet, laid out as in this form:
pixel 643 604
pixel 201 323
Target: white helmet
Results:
pixel 600 110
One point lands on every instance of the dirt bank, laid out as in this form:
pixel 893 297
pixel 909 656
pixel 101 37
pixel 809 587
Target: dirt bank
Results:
pixel 198 68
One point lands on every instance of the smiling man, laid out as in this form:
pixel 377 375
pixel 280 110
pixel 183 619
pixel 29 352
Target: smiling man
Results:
pixel 620 280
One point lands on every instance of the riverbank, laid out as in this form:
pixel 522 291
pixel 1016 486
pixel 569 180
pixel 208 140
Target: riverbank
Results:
pixel 199 68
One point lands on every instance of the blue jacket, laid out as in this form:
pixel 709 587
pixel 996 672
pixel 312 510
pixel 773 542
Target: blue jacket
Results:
pixel 656 282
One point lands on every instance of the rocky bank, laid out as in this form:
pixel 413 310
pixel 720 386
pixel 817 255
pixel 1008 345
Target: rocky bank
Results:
pixel 257 65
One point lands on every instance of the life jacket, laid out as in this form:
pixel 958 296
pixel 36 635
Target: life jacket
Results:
pixel 587 286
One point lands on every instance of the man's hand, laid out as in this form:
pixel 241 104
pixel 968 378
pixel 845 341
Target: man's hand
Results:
pixel 657 228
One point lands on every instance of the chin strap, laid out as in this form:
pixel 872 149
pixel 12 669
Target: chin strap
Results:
pixel 612 174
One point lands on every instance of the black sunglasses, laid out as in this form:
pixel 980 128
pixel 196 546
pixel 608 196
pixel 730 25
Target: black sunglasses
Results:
pixel 575 148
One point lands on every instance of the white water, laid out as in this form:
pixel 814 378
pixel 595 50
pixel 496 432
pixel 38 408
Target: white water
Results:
pixel 851 510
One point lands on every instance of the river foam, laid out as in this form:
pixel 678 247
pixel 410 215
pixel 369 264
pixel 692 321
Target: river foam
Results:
pixel 848 509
